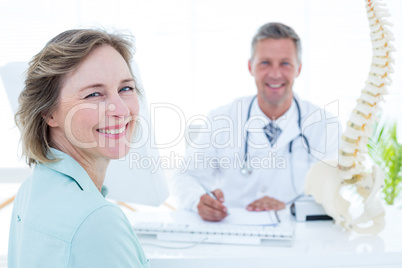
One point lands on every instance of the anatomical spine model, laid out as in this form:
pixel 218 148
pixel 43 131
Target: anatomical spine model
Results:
pixel 324 181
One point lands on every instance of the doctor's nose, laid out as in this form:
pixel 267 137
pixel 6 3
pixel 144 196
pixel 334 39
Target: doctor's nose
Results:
pixel 275 72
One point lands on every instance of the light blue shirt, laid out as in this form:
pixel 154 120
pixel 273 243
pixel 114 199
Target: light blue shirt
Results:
pixel 60 219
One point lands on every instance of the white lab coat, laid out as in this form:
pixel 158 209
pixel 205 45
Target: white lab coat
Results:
pixel 218 164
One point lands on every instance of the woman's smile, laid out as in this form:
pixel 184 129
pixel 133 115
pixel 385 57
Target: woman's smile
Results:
pixel 114 132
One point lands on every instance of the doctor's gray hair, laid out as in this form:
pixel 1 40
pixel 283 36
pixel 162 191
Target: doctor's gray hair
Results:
pixel 276 30
pixel 44 80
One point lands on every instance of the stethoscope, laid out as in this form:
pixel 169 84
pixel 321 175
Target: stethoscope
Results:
pixel 246 169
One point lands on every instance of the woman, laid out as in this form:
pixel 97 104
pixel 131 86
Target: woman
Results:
pixel 77 111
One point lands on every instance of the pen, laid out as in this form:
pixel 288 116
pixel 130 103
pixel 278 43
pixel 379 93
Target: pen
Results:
pixel 277 217
pixel 208 192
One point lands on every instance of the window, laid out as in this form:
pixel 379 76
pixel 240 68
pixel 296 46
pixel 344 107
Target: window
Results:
pixel 193 54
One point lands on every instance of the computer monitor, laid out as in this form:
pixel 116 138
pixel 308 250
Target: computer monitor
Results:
pixel 126 181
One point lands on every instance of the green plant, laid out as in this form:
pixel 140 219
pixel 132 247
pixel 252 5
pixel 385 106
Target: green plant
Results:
pixel 386 152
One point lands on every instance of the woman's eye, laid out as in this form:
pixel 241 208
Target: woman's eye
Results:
pixel 95 94
pixel 126 89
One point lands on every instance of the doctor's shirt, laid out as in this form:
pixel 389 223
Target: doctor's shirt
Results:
pixel 215 157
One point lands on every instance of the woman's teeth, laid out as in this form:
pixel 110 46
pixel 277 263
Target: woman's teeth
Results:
pixel 112 131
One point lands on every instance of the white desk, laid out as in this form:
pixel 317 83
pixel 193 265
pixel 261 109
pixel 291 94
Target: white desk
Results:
pixel 316 244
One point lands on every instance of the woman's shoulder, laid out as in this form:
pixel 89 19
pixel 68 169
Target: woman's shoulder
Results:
pixel 106 238
pixel 54 203
pixel 88 228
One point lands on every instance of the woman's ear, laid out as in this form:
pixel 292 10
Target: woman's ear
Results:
pixel 50 120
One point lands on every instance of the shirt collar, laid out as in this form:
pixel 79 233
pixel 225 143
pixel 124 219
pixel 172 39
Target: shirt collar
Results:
pixel 286 122
pixel 69 167
pixel 259 120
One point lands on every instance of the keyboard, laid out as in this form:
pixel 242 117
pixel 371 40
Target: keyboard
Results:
pixel 215 233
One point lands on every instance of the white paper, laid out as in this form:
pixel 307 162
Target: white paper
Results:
pixel 241 216
pixel 237 216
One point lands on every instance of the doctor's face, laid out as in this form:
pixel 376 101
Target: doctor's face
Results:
pixel 97 107
pixel 275 67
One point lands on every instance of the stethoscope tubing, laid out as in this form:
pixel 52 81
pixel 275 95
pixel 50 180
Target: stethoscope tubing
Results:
pixel 247 171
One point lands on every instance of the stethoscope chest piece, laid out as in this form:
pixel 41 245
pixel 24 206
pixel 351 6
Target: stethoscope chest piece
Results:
pixel 245 170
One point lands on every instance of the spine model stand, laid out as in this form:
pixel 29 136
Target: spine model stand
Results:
pixel 323 181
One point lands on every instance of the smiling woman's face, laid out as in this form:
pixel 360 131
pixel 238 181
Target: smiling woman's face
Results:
pixel 97 107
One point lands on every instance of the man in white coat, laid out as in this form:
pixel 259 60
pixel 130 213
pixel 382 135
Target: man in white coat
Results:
pixel 255 152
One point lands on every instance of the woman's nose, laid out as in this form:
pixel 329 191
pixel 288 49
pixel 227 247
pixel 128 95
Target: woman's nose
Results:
pixel 117 107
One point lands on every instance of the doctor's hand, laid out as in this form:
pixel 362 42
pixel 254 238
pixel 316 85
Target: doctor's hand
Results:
pixel 266 203
pixel 211 209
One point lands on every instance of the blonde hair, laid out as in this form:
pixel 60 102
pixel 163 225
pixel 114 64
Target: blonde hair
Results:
pixel 44 79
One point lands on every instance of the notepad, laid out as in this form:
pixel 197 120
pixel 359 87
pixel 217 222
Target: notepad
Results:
pixel 237 216
pixel 241 216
